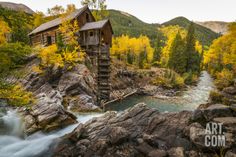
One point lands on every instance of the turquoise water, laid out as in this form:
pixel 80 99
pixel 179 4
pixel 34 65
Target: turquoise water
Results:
pixel 189 99
pixel 161 105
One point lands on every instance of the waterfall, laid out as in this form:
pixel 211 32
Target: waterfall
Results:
pixel 13 144
pixel 12 124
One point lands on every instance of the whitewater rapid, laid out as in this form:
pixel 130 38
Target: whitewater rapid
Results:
pixel 13 142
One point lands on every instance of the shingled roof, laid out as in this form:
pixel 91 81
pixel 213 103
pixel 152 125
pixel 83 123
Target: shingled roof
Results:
pixel 94 25
pixel 58 21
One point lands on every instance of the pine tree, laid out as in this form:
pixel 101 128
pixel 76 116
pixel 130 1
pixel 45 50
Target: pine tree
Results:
pixel 130 57
pixel 157 49
pixel 142 59
pixel 177 59
pixel 193 57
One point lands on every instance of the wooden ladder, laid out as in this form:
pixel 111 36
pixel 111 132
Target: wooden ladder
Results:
pixel 103 75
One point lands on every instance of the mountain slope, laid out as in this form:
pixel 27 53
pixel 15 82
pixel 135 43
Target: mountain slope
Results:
pixel 203 34
pixel 216 26
pixel 124 23
pixel 16 7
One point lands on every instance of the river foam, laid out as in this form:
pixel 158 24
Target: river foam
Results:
pixel 12 144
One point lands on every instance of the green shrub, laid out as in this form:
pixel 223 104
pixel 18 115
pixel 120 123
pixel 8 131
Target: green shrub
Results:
pixel 146 66
pixel 169 79
pixel 190 78
pixel 216 97
pixel 12 55
pixel 15 95
pixel 156 64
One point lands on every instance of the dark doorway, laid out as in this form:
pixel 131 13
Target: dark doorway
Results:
pixel 49 40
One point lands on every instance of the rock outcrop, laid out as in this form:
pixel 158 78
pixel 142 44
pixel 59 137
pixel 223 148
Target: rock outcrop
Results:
pixel 141 131
pixel 54 93
pixel 48 114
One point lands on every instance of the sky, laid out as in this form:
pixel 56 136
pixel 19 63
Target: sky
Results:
pixel 156 11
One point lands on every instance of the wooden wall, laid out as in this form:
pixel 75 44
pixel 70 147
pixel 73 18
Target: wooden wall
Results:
pixel 41 37
pixel 107 34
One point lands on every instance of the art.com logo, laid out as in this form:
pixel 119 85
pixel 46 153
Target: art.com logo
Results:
pixel 214 135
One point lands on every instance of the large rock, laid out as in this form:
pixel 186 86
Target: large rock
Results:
pixel 83 103
pixel 197 135
pixel 230 90
pixel 176 152
pixel 213 111
pixel 78 81
pixel 48 114
pixel 230 154
pixel 157 153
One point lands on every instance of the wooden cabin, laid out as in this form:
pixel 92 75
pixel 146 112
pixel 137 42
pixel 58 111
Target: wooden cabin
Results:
pixel 46 34
pixel 95 33
pixel 95 37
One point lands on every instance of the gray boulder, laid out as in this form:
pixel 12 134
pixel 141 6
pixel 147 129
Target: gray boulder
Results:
pixel 47 114
pixel 83 103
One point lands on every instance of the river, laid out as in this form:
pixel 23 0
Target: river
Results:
pixel 13 143
pixel 188 100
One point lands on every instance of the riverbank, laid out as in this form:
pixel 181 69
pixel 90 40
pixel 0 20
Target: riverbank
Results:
pixel 143 131
pixel 169 99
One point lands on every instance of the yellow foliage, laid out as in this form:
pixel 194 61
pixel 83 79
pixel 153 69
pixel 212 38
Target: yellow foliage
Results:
pixel 4 29
pixel 70 58
pixel 16 95
pixel 50 58
pixel 224 78
pixel 38 19
pixel 198 47
pixel 37 69
pixel 68 29
pixel 222 53
pixel 124 44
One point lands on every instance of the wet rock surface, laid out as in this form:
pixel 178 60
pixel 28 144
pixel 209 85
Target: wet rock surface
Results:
pixel 142 131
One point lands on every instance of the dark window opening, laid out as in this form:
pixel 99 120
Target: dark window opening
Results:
pixel 91 34
pixel 87 17
pixel 49 40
